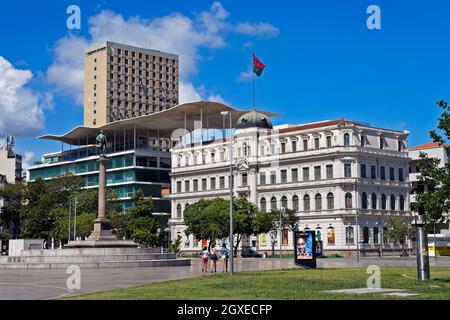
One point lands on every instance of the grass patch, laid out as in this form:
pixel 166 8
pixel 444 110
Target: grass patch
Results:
pixel 289 284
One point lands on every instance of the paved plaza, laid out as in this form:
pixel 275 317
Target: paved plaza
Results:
pixel 47 284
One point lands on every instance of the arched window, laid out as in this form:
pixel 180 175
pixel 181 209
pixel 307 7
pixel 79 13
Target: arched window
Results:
pixel 284 202
pixel 374 201
pixel 318 199
pixel 273 204
pixel 402 202
pixel 392 202
pixel 306 203
pixel 385 235
pixel 331 236
pixel 366 235
pixel 295 203
pixel 383 202
pixel 246 149
pixel 349 235
pixel 375 234
pixel 348 200
pixel 330 201
pixel 179 211
pixel 364 200
pixel 346 140
pixel 263 204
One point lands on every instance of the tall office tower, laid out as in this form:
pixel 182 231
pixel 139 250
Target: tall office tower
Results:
pixel 123 82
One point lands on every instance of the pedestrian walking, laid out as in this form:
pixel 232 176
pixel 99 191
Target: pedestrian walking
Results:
pixel 213 256
pixel 224 255
pixel 205 257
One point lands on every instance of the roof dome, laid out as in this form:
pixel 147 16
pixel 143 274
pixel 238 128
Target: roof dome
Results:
pixel 254 119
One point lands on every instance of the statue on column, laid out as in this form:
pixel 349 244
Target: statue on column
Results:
pixel 102 144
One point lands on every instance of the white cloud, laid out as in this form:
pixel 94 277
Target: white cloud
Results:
pixel 188 93
pixel 67 70
pixel 174 33
pixel 21 109
pixel 27 159
pixel 261 29
pixel 245 75
pixel 215 97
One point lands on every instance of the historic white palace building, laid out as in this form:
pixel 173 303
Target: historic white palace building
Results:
pixel 341 177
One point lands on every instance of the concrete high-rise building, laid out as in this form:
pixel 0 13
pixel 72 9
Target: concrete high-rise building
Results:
pixel 10 162
pixel 124 82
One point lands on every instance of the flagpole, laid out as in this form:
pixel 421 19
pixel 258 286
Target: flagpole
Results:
pixel 253 79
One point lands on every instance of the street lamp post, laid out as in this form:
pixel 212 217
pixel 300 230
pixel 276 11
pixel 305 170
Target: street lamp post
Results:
pixel 227 113
pixel 75 221
pixel 282 211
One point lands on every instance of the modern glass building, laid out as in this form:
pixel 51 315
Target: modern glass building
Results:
pixel 127 171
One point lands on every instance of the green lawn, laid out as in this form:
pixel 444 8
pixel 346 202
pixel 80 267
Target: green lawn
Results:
pixel 287 284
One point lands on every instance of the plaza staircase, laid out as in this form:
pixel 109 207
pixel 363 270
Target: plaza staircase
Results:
pixel 98 258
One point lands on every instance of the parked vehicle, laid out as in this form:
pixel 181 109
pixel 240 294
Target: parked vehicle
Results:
pixel 249 252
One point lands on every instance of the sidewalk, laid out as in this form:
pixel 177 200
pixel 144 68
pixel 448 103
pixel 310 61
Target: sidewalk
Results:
pixel 47 284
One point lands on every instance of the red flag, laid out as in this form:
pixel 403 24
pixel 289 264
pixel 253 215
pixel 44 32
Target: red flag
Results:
pixel 258 66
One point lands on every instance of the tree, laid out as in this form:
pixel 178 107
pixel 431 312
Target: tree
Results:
pixel 47 202
pixel 208 219
pixel 13 196
pixel 398 230
pixel 289 219
pixel 175 246
pixel 84 226
pixel 435 200
pixel 139 223
pixel 244 215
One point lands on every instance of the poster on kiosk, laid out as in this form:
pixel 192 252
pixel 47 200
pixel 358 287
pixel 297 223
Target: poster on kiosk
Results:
pixel 305 249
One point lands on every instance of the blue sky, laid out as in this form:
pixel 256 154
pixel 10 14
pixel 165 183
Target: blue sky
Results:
pixel 322 61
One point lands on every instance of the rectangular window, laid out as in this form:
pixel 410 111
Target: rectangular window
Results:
pixel 178 186
pixel 283 176
pixel 347 170
pixel 329 169
pixel 261 150
pixel 399 145
pixel 283 147
pixel 222 182
pixel 305 144
pixel 400 174
pixel 363 171
pixel 294 174
pixel 213 183
pixel 186 186
pixel 328 141
pixel 316 143
pixel 391 174
pixel 294 146
pixel 381 143
pixel 317 175
pixel 203 184
pixel 262 178
pixel 382 173
pixel 195 186
pixel 273 177
pixel 373 172
pixel 244 179
pixel 363 141
pixel 306 174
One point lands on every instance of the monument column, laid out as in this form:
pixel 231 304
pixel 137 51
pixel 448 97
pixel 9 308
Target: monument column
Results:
pixel 102 236
pixel 102 225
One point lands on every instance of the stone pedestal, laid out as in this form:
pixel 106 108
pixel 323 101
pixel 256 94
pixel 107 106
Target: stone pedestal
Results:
pixel 102 235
